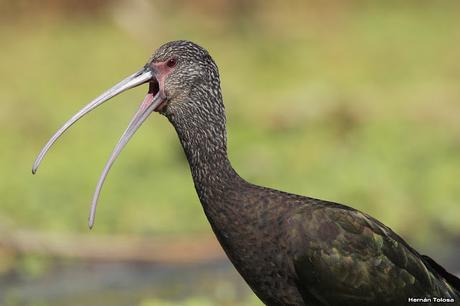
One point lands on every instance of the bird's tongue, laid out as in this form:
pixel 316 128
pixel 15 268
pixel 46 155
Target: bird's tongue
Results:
pixel 147 101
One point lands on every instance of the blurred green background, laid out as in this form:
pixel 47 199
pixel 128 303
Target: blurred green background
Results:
pixel 355 102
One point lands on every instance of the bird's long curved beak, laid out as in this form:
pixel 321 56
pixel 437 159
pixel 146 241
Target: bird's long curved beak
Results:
pixel 153 100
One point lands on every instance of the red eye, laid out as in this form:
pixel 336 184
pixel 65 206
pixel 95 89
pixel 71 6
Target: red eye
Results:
pixel 171 62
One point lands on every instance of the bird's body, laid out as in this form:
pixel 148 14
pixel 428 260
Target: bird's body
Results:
pixel 295 250
pixel 290 249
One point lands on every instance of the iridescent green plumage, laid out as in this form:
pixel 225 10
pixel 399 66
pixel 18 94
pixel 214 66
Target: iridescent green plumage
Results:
pixel 359 261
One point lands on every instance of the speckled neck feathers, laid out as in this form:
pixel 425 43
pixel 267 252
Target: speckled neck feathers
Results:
pixel 202 133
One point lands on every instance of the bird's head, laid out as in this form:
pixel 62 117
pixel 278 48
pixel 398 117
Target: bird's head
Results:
pixel 179 75
pixel 179 68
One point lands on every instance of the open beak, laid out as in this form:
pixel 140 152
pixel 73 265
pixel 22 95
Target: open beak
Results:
pixel 152 101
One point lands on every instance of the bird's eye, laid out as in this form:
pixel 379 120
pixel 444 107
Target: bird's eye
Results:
pixel 171 62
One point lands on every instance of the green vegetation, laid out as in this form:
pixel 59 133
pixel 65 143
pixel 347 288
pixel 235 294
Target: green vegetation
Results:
pixel 354 104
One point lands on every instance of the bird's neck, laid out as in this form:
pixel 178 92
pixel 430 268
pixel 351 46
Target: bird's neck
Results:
pixel 202 133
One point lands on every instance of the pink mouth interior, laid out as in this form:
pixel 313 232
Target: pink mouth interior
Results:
pixel 147 101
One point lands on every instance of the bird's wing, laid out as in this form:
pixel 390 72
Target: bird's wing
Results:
pixel 348 258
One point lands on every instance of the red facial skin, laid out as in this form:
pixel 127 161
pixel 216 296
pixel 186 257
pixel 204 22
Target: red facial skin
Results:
pixel 161 71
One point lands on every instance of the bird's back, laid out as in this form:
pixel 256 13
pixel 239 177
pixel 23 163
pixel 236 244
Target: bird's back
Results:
pixel 345 257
